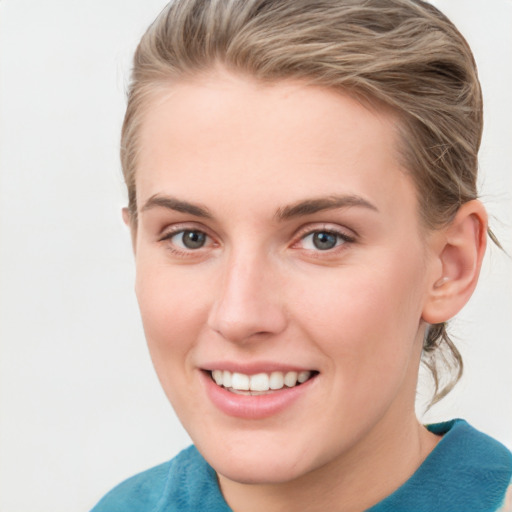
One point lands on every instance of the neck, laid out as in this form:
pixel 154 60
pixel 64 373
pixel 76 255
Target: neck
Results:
pixel 372 470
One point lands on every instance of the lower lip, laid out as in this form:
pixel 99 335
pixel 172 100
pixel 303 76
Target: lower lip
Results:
pixel 253 407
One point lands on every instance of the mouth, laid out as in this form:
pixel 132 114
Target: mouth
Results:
pixel 258 394
pixel 260 383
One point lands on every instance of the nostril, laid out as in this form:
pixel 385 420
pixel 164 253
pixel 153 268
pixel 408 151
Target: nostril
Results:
pixel 247 329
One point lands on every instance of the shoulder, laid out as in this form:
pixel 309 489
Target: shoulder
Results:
pixel 466 452
pixel 181 484
pixel 467 471
pixel 138 493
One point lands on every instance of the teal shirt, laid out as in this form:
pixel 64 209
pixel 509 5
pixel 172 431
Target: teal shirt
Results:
pixel 467 472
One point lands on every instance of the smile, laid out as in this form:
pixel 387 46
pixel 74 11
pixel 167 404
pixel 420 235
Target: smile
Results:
pixel 259 383
pixel 251 393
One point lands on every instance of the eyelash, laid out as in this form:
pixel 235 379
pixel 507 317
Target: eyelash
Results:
pixel 177 230
pixel 342 239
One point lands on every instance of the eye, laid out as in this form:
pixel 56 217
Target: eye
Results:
pixel 187 239
pixel 323 240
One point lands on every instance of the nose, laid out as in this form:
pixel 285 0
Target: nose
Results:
pixel 248 304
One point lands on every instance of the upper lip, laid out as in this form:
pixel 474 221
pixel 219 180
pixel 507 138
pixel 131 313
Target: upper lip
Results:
pixel 254 368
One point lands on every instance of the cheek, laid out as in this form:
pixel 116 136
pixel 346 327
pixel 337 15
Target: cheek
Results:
pixel 366 319
pixel 172 313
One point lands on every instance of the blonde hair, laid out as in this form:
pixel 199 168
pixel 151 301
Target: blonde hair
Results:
pixel 404 54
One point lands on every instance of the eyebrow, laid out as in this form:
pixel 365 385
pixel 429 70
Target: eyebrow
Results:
pixel 315 205
pixel 298 209
pixel 171 203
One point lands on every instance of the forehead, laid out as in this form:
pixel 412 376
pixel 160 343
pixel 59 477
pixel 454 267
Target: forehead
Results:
pixel 279 141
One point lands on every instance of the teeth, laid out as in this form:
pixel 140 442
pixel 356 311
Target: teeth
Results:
pixel 277 380
pixel 259 382
pixel 303 376
pixel 226 379
pixel 240 381
pixel 290 379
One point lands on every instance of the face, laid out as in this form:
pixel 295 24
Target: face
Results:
pixel 281 272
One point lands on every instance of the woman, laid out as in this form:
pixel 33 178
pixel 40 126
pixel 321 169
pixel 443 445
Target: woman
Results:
pixel 304 214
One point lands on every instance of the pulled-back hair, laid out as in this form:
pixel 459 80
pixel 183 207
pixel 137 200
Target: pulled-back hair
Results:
pixel 403 54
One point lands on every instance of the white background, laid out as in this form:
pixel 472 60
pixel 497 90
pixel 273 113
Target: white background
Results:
pixel 80 407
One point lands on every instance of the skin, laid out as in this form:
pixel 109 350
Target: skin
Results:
pixel 259 289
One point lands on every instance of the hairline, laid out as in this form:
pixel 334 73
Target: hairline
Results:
pixel 157 90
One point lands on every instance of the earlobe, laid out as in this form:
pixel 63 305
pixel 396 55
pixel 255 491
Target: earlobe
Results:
pixel 126 216
pixel 460 255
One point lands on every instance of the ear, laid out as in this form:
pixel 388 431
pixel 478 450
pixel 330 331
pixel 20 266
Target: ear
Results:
pixel 127 219
pixel 460 249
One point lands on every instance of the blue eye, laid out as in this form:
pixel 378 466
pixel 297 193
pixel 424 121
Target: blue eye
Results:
pixel 188 239
pixel 323 240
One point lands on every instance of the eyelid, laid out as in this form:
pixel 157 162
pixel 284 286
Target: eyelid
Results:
pixel 347 236
pixel 345 233
pixel 169 232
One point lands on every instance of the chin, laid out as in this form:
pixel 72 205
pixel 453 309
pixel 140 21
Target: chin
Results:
pixel 258 473
pixel 256 465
